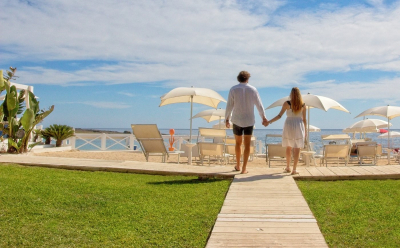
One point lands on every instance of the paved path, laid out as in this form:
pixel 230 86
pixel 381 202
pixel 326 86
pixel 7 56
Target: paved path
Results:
pixel 264 208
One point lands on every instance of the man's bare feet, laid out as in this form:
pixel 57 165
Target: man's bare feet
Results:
pixel 244 172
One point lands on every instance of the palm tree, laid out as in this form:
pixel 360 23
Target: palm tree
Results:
pixel 58 132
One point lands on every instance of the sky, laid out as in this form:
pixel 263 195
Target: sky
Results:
pixel 106 63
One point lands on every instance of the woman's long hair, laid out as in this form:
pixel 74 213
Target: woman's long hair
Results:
pixel 296 100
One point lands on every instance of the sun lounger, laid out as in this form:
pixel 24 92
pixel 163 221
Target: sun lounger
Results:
pixel 211 149
pixel 230 144
pixel 367 150
pixel 150 140
pixel 275 152
pixel 336 153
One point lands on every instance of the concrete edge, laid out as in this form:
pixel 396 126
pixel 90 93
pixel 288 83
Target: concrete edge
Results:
pixel 125 170
pixel 349 177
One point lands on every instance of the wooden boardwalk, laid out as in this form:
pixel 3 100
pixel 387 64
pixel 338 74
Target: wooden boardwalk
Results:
pixel 265 211
pixel 264 208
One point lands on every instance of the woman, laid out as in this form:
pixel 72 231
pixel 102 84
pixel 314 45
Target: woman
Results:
pixel 294 129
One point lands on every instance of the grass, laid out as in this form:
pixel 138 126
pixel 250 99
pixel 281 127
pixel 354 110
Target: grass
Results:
pixel 41 207
pixel 363 213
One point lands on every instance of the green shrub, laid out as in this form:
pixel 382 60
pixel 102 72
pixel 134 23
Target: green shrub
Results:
pixel 58 132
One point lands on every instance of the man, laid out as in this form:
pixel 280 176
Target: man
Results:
pixel 241 101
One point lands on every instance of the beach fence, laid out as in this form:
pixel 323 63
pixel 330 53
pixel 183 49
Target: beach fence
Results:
pixel 125 141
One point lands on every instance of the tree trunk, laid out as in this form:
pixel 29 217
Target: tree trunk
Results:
pixel 58 143
pixel 47 141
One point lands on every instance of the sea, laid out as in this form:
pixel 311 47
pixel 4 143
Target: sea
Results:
pixel 261 134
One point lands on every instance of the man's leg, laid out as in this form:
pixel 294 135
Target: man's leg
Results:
pixel 238 150
pixel 246 153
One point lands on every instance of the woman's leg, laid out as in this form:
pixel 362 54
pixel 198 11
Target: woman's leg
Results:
pixel 288 158
pixel 296 155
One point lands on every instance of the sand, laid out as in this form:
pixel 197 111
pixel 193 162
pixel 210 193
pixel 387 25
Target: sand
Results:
pixel 138 156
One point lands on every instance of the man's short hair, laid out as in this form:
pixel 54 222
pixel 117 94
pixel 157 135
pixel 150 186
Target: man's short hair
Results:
pixel 243 76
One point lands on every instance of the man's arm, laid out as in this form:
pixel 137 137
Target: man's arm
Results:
pixel 229 108
pixel 260 109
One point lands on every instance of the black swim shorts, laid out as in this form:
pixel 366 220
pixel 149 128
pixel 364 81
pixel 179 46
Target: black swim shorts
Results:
pixel 239 131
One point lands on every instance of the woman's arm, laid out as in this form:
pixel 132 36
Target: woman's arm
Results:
pixel 285 106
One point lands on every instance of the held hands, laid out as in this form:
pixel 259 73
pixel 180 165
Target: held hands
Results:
pixel 265 122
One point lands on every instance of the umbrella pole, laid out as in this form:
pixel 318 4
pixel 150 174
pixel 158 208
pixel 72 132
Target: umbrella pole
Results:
pixel 388 150
pixel 191 112
pixel 308 130
pixel 190 145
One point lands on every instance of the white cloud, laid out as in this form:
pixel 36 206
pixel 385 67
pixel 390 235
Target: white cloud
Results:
pixel 126 94
pixel 106 105
pixel 386 89
pixel 201 43
pixel 386 66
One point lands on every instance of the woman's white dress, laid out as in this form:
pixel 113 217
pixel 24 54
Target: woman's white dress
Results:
pixel 293 134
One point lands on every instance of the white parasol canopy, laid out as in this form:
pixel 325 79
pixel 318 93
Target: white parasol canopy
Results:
pixel 367 126
pixel 193 95
pixel 211 114
pixel 393 134
pixel 221 125
pixel 314 128
pixel 313 101
pixel 388 111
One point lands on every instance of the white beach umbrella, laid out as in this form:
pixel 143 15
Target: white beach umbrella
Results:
pixel 393 134
pixel 193 95
pixel 211 114
pixel 313 101
pixel 388 111
pixel 221 125
pixel 367 126
pixel 314 128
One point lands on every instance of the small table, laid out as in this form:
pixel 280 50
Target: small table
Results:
pixel 176 153
pixel 308 155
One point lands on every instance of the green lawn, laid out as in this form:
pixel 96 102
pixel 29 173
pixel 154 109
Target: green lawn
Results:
pixel 356 213
pixel 41 207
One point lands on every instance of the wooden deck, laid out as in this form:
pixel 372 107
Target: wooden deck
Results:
pixel 264 208
pixel 349 172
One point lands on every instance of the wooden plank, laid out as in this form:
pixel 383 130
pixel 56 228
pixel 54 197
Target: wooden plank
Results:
pixel 326 171
pixel 342 171
pixel 387 169
pixel 266 216
pixel 267 202
pixel 267 224
pixel 362 171
pixel 310 171
pixel 395 168
pixel 272 230
pixel 374 170
pixel 283 220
